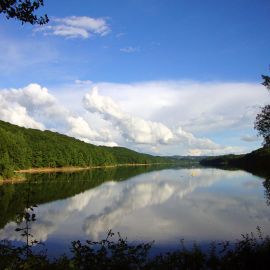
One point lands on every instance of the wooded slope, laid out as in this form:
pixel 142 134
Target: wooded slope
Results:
pixel 22 148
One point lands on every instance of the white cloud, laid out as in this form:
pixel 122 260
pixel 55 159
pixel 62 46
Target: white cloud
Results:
pixel 83 82
pixel 197 107
pixel 161 117
pixel 76 27
pixel 17 105
pixel 33 96
pixel 250 138
pixel 205 109
pixel 129 49
pixel 17 115
pixel 80 128
pixel 140 131
pixel 133 128
pixel 203 146
pixel 34 107
pixel 37 103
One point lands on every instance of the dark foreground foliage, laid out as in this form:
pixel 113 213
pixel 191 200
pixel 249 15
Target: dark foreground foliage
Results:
pixel 23 10
pixel 251 252
pixel 262 122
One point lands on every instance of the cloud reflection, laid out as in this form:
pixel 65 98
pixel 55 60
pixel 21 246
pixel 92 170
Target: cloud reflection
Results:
pixel 162 205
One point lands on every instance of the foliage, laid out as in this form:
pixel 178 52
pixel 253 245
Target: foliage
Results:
pixel 256 162
pixel 220 161
pixel 250 252
pixel 266 185
pixel 108 254
pixel 22 148
pixel 262 122
pixel 266 81
pixel 23 10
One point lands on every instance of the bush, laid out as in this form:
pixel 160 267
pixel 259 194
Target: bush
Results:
pixel 251 252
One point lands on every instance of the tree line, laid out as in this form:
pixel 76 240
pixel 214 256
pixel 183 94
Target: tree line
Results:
pixel 22 148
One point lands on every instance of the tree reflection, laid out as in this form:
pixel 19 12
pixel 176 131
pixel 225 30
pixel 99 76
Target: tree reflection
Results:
pixel 266 185
pixel 26 218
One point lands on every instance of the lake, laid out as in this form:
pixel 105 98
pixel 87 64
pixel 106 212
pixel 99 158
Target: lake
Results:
pixel 142 203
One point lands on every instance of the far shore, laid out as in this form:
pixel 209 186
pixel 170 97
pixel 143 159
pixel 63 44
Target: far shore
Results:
pixel 73 169
pixel 67 169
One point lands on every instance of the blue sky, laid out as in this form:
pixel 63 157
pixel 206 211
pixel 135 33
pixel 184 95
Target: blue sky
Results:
pixel 179 48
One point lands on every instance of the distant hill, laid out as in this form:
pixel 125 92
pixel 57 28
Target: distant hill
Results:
pixel 255 161
pixel 190 158
pixel 22 148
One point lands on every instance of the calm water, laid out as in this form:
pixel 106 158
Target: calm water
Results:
pixel 143 204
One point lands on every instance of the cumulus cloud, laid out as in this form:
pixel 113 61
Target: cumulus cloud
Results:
pixel 161 117
pixel 195 106
pixel 203 146
pixel 36 103
pixel 17 115
pixel 18 104
pixel 76 27
pixel 34 107
pixel 32 96
pixel 140 131
pixel 79 127
pixel 133 128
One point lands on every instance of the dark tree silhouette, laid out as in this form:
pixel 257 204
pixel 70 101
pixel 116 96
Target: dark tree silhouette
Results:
pixel 266 81
pixel 23 10
pixel 262 122
pixel 266 185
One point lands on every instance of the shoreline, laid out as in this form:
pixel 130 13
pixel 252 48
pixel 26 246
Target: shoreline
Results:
pixel 67 169
pixel 74 169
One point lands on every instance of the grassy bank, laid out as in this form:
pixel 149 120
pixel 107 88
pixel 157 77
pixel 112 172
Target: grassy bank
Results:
pixel 74 169
pixel 20 176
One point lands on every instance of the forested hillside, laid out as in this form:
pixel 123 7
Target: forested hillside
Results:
pixel 22 148
pixel 255 161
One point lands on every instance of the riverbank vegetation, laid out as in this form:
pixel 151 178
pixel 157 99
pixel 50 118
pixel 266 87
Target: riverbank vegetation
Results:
pixel 258 160
pixel 250 252
pixel 22 148
pixel 254 162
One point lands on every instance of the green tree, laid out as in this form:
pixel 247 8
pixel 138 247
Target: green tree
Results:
pixel 262 122
pixel 23 10
pixel 22 148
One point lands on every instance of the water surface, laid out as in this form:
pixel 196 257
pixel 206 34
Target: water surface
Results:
pixel 143 204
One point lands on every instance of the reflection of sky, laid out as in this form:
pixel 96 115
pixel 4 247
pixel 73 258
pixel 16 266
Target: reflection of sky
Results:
pixel 199 204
